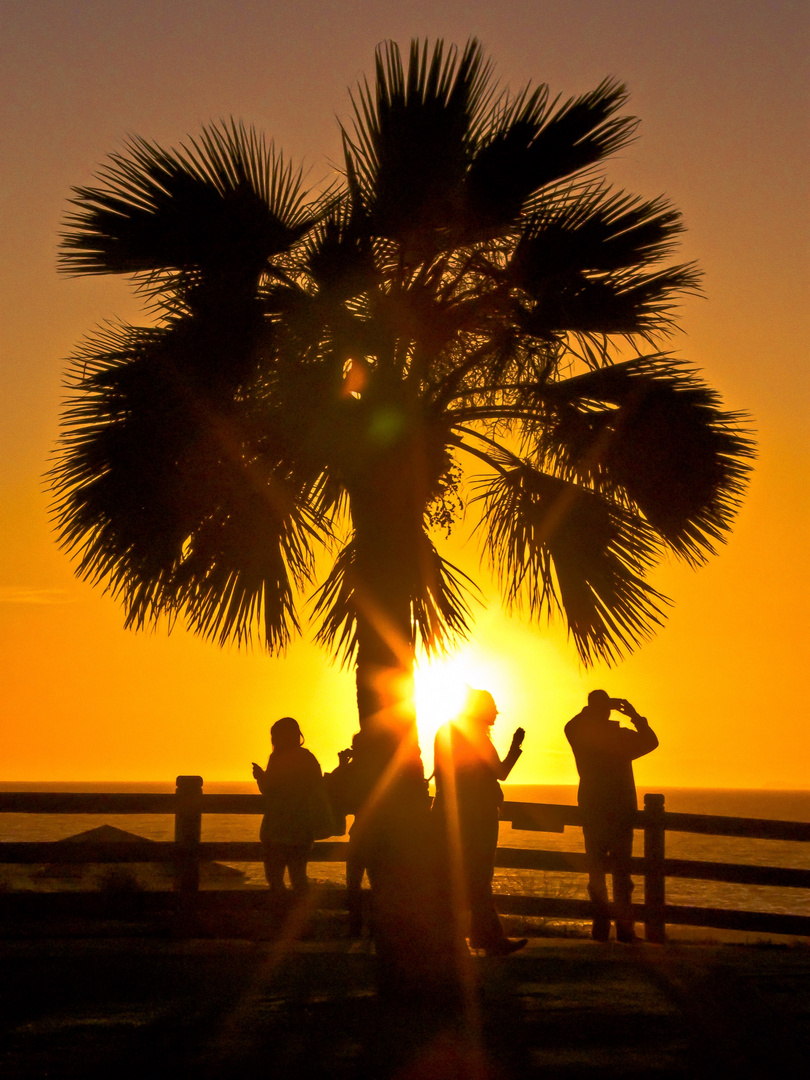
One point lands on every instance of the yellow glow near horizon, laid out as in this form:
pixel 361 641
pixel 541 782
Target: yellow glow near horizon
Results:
pixel 440 688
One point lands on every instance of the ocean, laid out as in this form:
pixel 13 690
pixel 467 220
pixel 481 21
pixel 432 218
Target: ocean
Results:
pixel 780 805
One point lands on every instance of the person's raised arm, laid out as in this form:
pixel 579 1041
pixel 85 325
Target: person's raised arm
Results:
pixel 644 738
pixel 515 750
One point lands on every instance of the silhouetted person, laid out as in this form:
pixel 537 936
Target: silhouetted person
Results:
pixel 340 783
pixel 467 804
pixel 289 785
pixel 604 752
pixel 384 787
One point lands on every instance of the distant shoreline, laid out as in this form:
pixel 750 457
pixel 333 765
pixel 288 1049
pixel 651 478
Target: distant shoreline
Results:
pixel 249 786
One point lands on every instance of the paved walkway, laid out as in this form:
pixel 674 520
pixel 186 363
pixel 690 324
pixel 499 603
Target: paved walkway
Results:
pixel 221 1009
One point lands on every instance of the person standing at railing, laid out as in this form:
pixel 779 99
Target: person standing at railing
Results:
pixel 341 785
pixel 604 752
pixel 467 805
pixel 292 789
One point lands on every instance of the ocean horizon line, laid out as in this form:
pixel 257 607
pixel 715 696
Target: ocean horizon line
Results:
pixel 646 787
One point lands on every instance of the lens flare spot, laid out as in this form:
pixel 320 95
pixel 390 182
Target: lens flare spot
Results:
pixel 386 425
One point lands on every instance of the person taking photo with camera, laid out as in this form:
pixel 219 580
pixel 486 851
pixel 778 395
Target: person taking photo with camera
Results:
pixel 604 752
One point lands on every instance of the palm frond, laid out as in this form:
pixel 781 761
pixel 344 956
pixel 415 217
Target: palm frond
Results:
pixel 598 231
pixel 533 143
pixel 339 255
pixel 170 500
pixel 557 546
pixel 652 432
pixel 584 264
pixel 334 603
pixel 441 608
pixel 628 305
pixel 413 136
pixel 225 203
pixel 241 565
pixel 439 600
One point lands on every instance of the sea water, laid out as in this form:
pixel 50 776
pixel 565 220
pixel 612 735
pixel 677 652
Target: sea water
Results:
pixel 770 804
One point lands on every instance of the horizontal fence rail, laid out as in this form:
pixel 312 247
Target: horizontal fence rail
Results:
pixel 187 851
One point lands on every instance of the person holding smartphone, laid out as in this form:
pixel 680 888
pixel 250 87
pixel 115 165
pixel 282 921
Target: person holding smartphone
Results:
pixel 467 805
pixel 604 752
pixel 289 785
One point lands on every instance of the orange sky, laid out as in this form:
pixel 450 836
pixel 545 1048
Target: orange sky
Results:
pixel 721 91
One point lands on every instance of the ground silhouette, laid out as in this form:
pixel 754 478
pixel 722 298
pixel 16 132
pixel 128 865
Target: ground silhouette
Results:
pixel 227 1009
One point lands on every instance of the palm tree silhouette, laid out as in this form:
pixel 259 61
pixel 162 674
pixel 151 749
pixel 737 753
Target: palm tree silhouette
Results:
pixel 469 314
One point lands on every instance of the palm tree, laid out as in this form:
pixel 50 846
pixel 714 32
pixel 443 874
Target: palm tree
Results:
pixel 469 312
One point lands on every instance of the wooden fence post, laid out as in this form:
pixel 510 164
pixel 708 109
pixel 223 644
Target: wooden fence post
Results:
pixel 187 835
pixel 654 879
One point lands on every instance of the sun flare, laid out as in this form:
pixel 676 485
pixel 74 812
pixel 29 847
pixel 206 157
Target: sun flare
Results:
pixel 440 688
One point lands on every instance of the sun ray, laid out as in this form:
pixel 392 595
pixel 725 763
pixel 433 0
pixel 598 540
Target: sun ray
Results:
pixel 440 687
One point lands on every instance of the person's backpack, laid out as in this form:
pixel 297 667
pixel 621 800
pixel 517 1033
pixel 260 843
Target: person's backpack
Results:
pixel 325 822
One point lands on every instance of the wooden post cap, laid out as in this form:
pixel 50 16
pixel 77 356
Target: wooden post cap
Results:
pixel 189 785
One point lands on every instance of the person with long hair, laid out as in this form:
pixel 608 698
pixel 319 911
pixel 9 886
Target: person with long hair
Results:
pixel 467 804
pixel 289 785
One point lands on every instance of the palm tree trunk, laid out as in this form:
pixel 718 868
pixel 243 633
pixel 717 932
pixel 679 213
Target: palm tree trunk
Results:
pixel 413 932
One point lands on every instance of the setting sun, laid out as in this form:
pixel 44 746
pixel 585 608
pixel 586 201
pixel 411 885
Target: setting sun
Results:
pixel 441 685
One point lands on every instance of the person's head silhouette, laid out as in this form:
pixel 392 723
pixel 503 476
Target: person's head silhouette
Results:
pixel 599 703
pixel 479 711
pixel 285 734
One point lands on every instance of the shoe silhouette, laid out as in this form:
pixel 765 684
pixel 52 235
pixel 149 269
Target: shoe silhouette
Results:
pixel 506 946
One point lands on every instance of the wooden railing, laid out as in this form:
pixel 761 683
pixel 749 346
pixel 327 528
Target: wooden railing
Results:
pixel 655 867
pixel 187 851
